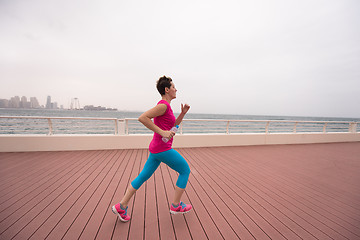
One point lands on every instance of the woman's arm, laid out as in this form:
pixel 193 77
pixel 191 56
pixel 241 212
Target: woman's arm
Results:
pixel 156 111
pixel 184 109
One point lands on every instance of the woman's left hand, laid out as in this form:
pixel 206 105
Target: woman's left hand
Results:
pixel 185 108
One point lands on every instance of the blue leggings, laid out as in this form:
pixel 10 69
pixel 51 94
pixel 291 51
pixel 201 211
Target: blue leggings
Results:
pixel 171 158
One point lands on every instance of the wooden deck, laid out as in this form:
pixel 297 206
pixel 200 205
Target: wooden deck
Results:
pixel 253 192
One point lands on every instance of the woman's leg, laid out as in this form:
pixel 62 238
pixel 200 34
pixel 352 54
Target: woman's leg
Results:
pixel 149 168
pixel 130 191
pixel 175 161
pixel 177 196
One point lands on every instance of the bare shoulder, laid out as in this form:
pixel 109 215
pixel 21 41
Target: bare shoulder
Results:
pixel 156 111
pixel 161 107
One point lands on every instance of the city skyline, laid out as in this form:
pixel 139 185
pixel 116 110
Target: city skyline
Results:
pixel 22 102
pixel 33 103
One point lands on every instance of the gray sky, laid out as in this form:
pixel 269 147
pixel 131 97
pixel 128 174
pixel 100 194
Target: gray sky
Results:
pixel 258 57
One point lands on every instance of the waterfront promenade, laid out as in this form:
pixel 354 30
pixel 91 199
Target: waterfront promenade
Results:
pixel 304 191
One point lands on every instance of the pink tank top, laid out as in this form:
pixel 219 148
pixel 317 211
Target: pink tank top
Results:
pixel 165 122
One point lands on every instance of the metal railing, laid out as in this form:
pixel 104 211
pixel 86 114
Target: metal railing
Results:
pixel 127 126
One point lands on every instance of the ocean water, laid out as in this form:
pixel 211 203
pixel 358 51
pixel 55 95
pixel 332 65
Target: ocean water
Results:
pixel 122 114
pixel 25 126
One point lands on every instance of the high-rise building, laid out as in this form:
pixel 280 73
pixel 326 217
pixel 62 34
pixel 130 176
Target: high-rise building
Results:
pixel 54 105
pixel 17 102
pixel 4 103
pixel 24 103
pixel 48 103
pixel 34 103
pixel 14 102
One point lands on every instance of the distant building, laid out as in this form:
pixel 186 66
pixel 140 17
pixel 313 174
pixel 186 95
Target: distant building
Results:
pixel 48 102
pixel 24 103
pixel 4 103
pixel 98 108
pixel 16 102
pixel 34 103
pixel 54 105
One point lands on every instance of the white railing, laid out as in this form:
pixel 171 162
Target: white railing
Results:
pixel 127 126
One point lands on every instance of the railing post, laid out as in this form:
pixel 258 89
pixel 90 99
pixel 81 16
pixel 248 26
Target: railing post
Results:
pixel 50 127
pixel 121 126
pixel 267 127
pixel 324 128
pixel 116 127
pixel 227 127
pixel 295 127
pixel 352 127
pixel 127 126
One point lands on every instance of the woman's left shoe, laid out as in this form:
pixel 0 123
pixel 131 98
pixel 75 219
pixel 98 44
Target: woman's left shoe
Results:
pixel 121 212
pixel 181 208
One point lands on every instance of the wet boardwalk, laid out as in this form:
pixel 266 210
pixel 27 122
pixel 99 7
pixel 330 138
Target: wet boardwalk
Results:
pixel 251 192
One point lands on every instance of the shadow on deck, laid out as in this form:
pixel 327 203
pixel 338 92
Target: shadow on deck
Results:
pixel 251 192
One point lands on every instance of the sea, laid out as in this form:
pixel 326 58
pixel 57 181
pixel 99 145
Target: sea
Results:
pixel 126 114
pixel 16 126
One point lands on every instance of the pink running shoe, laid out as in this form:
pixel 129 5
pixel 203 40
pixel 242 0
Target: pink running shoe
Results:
pixel 181 208
pixel 121 212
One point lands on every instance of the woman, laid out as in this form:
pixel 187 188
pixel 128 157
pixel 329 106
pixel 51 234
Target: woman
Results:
pixel 160 151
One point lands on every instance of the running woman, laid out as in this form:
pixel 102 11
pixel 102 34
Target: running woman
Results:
pixel 160 151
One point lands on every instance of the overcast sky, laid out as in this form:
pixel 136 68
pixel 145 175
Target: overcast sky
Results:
pixel 258 57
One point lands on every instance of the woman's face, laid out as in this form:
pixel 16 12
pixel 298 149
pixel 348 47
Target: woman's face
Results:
pixel 172 91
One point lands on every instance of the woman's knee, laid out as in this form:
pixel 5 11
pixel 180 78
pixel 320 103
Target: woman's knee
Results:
pixel 187 170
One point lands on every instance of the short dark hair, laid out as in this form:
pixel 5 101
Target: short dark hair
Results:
pixel 162 83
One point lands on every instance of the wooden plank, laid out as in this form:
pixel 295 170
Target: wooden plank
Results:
pixel 55 207
pixel 238 206
pixel 33 166
pixel 87 210
pixel 237 216
pixel 334 218
pixel 191 219
pixel 73 206
pixel 31 186
pixel 36 214
pixel 326 227
pixel 241 176
pixel 199 209
pixel 248 195
pixel 13 162
pixel 110 221
pixel 122 229
pixel 324 213
pixel 308 168
pixel 312 195
pixel 282 197
pixel 38 192
pixel 180 226
pixel 27 170
pixel 136 230
pixel 165 222
pixel 214 206
pixel 151 212
pixel 96 219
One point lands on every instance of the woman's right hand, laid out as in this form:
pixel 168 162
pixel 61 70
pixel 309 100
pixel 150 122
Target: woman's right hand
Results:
pixel 168 134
